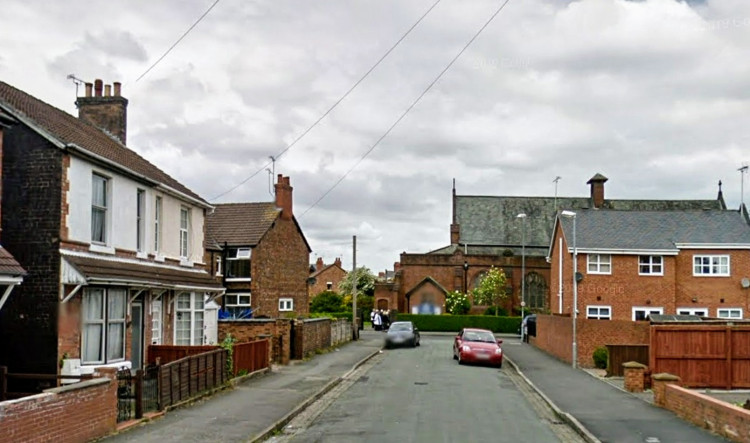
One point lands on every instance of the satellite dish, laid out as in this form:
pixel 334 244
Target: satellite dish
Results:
pixel 745 282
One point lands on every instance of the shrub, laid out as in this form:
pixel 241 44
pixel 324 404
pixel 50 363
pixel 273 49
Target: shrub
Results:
pixel 346 315
pixel 457 303
pixel 327 301
pixel 454 323
pixel 228 344
pixel 496 310
pixel 600 357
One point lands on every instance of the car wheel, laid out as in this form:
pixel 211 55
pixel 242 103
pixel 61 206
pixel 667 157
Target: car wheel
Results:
pixel 460 362
pixel 454 355
pixel 418 342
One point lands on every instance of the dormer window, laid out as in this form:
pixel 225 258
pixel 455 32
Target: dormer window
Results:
pixel 238 264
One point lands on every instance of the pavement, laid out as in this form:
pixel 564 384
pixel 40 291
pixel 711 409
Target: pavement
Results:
pixel 599 409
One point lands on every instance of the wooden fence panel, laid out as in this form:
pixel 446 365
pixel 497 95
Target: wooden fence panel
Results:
pixel 185 378
pixel 169 353
pixel 251 356
pixel 619 354
pixel 703 356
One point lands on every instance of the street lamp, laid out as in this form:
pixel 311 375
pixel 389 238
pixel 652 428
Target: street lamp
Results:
pixel 522 216
pixel 571 214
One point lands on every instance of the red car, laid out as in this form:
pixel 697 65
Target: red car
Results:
pixel 477 346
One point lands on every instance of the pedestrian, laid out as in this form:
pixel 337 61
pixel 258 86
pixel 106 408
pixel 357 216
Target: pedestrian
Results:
pixel 377 322
pixel 386 320
pixel 372 318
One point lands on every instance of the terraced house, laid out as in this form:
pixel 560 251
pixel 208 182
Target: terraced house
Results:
pixel 633 264
pixel 112 245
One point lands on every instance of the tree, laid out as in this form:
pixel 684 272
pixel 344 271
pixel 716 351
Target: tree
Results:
pixel 457 303
pixel 365 282
pixel 327 301
pixel 491 290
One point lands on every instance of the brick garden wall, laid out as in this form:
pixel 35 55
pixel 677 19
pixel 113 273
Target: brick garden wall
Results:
pixel 717 416
pixel 279 330
pixel 341 332
pixel 554 335
pixel 311 335
pixel 74 413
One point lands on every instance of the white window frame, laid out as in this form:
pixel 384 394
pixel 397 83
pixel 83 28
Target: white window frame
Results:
pixel 195 306
pixel 599 315
pixel 728 313
pixel 184 232
pixel 218 266
pixel 651 265
pixel 242 300
pixel 241 254
pixel 286 304
pixel 598 263
pixel 103 208
pixel 157 223
pixel 140 228
pixel 648 310
pixel 692 311
pixel 329 286
pixel 156 321
pixel 714 267
pixel 105 320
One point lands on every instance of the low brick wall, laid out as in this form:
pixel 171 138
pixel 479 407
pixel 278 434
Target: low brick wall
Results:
pixel 554 335
pixel 73 413
pixel 725 419
pixel 278 330
pixel 311 335
pixel 341 332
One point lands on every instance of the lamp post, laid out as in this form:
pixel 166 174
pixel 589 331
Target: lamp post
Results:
pixel 522 216
pixel 466 271
pixel 571 214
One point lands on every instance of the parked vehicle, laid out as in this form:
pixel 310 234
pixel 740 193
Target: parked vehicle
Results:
pixel 402 333
pixel 477 346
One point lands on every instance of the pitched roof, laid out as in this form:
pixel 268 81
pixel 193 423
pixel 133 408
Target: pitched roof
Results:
pixel 656 230
pixel 240 224
pixel 9 265
pixel 68 131
pixel 325 268
pixel 492 221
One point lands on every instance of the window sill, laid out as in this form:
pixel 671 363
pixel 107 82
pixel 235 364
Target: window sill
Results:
pixel 159 258
pixel 185 262
pixel 235 279
pixel 141 254
pixel 90 368
pixel 103 249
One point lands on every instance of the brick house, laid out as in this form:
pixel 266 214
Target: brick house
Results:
pixel 112 245
pixel 487 231
pixel 259 253
pixel 636 263
pixel 324 277
pixel 11 273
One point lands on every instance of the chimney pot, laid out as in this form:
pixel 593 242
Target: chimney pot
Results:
pixel 319 264
pixel 337 262
pixel 89 88
pixel 107 90
pixel 98 87
pixel 284 197
pixel 118 87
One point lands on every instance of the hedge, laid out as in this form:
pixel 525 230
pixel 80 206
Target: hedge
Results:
pixel 346 315
pixel 454 323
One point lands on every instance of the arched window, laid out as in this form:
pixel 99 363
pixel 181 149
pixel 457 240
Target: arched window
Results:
pixel 536 291
pixel 477 280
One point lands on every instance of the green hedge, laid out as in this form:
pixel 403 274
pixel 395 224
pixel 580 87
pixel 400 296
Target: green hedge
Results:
pixel 454 323
pixel 346 315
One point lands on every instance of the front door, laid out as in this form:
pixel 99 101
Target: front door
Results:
pixel 136 349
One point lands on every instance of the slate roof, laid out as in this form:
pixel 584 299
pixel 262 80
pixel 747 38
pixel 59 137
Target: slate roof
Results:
pixel 655 230
pixel 66 130
pixel 325 268
pixel 492 221
pixel 9 265
pixel 240 224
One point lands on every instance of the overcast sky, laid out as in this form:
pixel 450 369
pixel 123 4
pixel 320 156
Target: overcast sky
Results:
pixel 653 94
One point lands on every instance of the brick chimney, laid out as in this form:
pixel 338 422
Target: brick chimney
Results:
pixel 284 197
pixel 107 111
pixel 597 190
pixel 337 262
pixel 319 264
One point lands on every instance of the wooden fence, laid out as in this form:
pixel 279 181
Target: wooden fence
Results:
pixel 619 354
pixel 703 356
pixel 183 379
pixel 169 353
pixel 251 356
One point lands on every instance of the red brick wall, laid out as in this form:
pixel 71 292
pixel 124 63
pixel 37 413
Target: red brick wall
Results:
pixel 555 336
pixel 248 330
pixel 725 419
pixel 311 335
pixel 280 268
pixel 710 291
pixel 74 413
pixel 333 274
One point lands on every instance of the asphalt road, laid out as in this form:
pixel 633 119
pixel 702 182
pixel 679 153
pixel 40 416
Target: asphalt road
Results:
pixel 422 395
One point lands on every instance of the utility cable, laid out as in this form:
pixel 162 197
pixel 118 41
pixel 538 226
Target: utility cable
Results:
pixel 411 106
pixel 335 104
pixel 178 41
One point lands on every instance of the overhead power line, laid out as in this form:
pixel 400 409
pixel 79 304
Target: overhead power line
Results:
pixel 335 104
pixel 178 41
pixel 411 106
